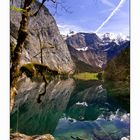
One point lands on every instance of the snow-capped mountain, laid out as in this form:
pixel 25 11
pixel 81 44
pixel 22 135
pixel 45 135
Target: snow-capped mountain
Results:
pixel 95 50
pixel 112 37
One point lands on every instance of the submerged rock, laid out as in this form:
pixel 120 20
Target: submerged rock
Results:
pixel 92 130
pixel 19 136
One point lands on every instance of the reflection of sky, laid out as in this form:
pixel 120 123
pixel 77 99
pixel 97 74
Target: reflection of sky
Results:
pixel 88 15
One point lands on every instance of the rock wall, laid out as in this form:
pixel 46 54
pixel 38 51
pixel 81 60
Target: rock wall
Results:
pixel 43 33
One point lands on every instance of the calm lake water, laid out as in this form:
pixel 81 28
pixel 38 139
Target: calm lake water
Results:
pixel 71 109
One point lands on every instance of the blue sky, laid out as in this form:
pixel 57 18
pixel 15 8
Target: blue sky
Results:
pixel 89 15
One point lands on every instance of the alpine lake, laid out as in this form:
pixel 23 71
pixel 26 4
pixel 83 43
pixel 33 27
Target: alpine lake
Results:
pixel 73 109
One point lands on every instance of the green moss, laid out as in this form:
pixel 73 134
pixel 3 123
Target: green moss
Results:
pixel 28 69
pixel 45 69
pixel 11 130
pixel 34 69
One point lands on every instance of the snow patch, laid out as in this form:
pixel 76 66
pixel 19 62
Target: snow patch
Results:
pixel 82 49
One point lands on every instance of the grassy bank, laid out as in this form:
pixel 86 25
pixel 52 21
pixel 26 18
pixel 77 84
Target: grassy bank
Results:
pixel 86 76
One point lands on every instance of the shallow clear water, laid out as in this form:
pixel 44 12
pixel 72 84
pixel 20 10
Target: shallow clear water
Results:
pixel 69 109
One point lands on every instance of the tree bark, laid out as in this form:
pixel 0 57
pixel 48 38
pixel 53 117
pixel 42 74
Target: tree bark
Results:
pixel 22 35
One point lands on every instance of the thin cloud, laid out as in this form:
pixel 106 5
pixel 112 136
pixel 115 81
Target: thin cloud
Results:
pixel 106 10
pixel 108 3
pixel 111 15
pixel 66 28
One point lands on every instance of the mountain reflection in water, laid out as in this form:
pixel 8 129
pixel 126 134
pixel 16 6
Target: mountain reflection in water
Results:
pixel 71 109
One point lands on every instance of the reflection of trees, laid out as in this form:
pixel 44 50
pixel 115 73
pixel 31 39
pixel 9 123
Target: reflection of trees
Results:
pixel 100 99
pixel 93 94
pixel 60 98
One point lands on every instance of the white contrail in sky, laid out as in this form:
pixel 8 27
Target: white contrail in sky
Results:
pixel 110 16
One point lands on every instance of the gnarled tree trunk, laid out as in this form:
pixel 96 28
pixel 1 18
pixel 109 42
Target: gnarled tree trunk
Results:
pixel 22 35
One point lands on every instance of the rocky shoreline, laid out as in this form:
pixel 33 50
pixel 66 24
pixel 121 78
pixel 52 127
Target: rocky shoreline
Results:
pixel 19 136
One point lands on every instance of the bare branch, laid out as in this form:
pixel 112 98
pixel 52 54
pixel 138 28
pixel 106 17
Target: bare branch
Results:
pixel 42 3
pixel 59 5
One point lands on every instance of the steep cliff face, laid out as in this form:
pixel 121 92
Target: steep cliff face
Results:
pixel 43 35
pixel 85 51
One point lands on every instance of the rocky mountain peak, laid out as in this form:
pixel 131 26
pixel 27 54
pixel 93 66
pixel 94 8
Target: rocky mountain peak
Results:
pixel 95 50
pixel 112 37
pixel 84 41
